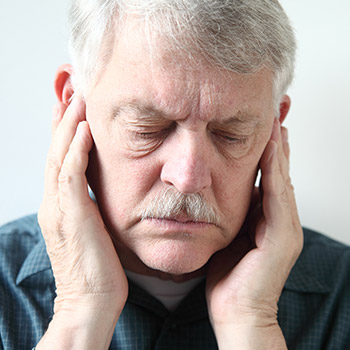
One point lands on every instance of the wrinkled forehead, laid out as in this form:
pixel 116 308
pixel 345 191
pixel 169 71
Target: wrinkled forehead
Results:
pixel 174 83
pixel 209 92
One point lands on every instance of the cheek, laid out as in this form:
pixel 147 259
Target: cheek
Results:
pixel 120 183
pixel 111 171
pixel 133 148
pixel 236 186
pixel 233 187
pixel 238 182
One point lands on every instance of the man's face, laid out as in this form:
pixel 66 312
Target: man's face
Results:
pixel 158 126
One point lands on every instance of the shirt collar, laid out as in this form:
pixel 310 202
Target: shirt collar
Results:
pixel 36 262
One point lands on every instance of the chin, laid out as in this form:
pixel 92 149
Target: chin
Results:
pixel 175 258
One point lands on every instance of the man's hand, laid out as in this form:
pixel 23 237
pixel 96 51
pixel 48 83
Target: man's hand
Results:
pixel 246 279
pixel 91 285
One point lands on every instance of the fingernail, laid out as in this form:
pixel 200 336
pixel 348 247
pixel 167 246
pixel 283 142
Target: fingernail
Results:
pixel 285 135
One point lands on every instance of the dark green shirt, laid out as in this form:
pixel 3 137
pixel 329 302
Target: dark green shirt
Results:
pixel 314 308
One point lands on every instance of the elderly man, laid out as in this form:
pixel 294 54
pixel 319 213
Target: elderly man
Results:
pixel 169 111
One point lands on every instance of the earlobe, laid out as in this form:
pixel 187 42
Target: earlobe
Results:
pixel 284 108
pixel 63 84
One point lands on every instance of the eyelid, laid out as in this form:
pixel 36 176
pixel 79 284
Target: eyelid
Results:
pixel 148 135
pixel 157 133
pixel 235 140
pixel 230 138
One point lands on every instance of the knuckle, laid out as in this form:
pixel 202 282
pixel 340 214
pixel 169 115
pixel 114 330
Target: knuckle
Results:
pixel 282 194
pixel 290 187
pixel 289 182
pixel 65 179
pixel 73 162
pixel 284 190
pixel 68 170
pixel 53 162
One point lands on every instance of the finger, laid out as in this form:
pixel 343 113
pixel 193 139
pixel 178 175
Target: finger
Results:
pixel 283 161
pixel 73 188
pixel 285 143
pixel 253 212
pixel 276 200
pixel 65 132
pixel 281 228
pixel 57 114
pixel 276 180
pixel 63 137
pixel 280 136
pixel 283 157
pixel 284 153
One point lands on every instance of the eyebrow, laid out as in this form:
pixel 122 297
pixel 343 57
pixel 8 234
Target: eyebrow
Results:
pixel 140 109
pixel 244 122
pixel 148 112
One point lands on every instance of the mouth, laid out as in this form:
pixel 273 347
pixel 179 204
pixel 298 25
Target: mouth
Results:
pixel 178 222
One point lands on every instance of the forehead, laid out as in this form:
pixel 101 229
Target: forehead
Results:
pixel 136 72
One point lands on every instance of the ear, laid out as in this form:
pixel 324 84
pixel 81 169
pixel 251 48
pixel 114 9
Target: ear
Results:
pixel 284 108
pixel 63 84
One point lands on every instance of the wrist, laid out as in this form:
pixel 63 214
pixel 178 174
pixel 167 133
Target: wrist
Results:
pixel 91 303
pixel 246 336
pixel 74 327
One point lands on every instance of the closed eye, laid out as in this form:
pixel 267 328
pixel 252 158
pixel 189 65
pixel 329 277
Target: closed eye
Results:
pixel 150 135
pixel 229 138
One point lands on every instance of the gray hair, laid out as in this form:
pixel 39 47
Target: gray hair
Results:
pixel 241 36
pixel 170 203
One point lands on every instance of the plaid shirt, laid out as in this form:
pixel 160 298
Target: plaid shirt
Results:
pixel 314 308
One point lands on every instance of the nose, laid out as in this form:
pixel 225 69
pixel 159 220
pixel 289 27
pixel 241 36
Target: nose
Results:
pixel 187 165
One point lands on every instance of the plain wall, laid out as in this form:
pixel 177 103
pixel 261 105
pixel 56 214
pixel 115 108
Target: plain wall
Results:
pixel 33 44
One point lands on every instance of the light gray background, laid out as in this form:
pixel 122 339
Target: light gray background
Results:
pixel 33 43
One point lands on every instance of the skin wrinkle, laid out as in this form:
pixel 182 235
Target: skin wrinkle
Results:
pixel 190 158
pixel 142 145
pixel 209 160
pixel 137 116
pixel 148 113
pixel 141 119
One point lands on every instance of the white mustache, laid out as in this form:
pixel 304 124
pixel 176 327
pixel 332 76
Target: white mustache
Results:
pixel 170 203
